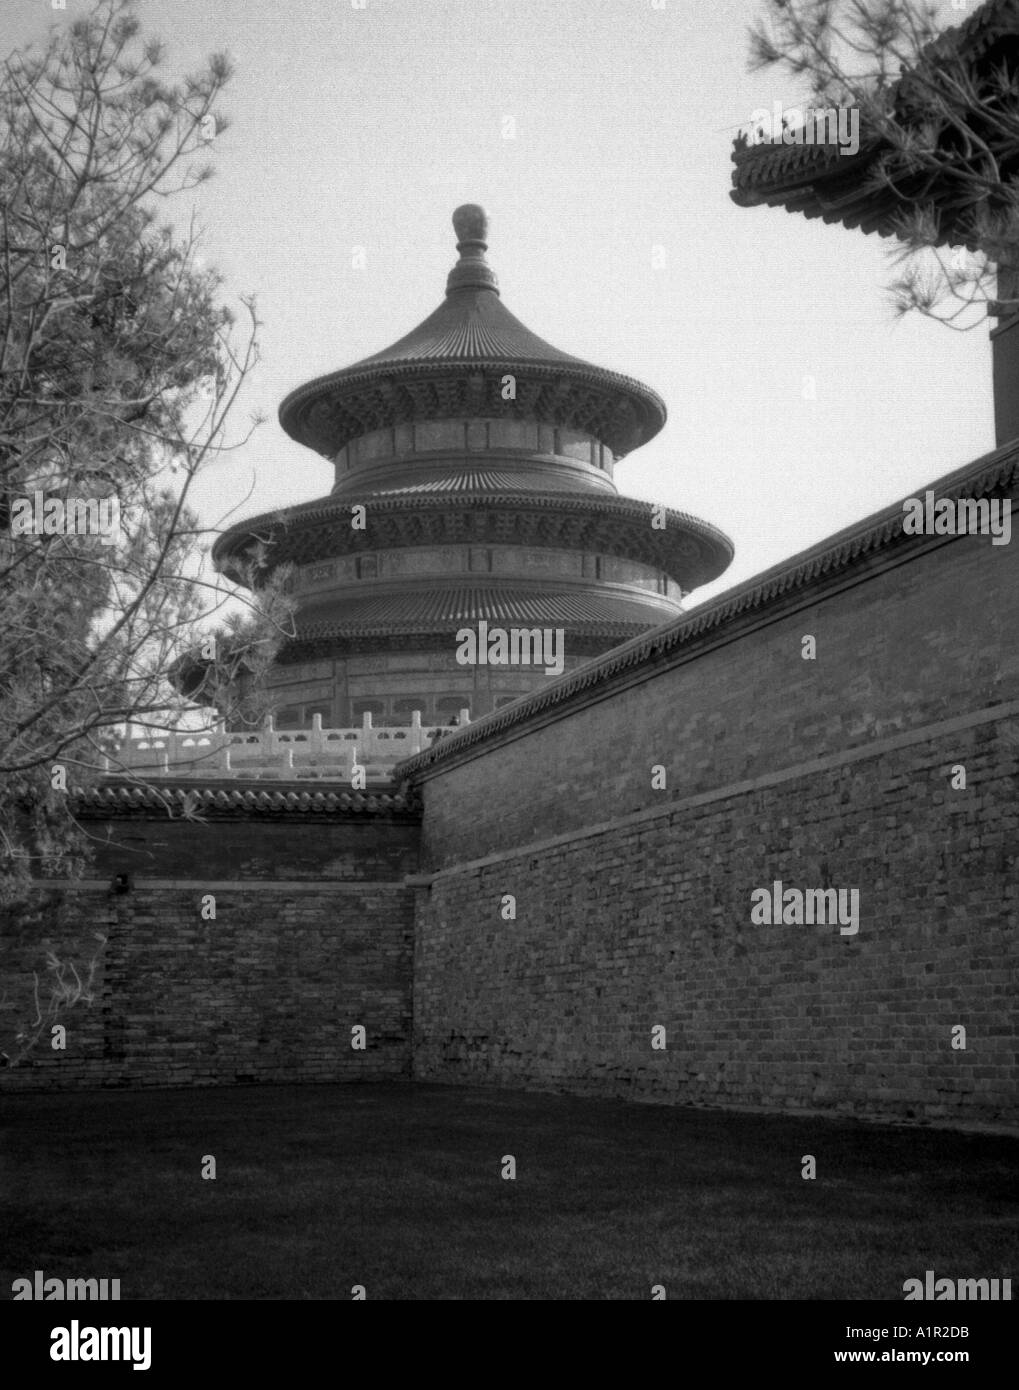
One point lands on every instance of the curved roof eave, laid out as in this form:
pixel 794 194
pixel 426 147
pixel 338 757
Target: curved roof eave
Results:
pixel 357 376
pixel 679 526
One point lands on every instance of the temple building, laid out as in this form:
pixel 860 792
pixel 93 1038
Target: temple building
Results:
pixel 528 900
pixel 474 485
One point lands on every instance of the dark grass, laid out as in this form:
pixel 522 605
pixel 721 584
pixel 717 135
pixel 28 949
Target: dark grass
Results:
pixel 398 1187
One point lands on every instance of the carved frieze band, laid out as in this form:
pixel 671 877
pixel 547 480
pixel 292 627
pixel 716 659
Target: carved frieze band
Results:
pixel 333 418
pixel 691 553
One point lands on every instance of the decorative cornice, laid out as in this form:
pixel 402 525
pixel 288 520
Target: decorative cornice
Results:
pixel 978 32
pixel 327 413
pixel 337 642
pixel 819 180
pixel 774 174
pixel 445 628
pixel 183 802
pixel 691 551
pixel 883 531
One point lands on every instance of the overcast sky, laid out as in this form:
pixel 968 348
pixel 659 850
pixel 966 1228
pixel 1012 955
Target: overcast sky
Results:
pixel 365 128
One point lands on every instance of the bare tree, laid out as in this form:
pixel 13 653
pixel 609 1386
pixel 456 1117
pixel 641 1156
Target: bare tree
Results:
pixel 944 128
pixel 119 369
pixel 118 372
pixel 63 988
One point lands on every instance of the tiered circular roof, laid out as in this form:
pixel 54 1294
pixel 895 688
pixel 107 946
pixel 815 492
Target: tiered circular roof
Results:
pixel 452 364
pixel 452 367
pixel 691 551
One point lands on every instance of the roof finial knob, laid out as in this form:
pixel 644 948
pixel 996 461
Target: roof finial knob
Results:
pixel 470 222
pixel 472 271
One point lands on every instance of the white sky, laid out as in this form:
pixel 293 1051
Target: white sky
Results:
pixel 366 127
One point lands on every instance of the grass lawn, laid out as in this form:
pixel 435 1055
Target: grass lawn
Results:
pixel 399 1187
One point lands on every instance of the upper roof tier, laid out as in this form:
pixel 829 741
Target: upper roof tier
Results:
pixel 453 364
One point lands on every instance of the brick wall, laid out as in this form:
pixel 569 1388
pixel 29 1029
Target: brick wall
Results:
pixel 899 646
pixel 649 924
pixel 256 847
pixel 633 904
pixel 631 901
pixel 312 937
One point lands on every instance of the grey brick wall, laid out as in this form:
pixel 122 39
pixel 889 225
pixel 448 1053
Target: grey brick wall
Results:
pixel 633 904
pixel 898 648
pixel 268 991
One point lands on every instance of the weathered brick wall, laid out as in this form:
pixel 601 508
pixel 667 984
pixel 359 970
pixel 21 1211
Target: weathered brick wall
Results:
pixel 269 991
pixel 898 647
pixel 632 901
pixel 633 904
pixel 256 847
pixel 650 925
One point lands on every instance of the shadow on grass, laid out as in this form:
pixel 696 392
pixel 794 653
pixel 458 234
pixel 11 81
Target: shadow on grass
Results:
pixel 398 1187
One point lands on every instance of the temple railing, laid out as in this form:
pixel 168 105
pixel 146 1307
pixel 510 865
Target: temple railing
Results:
pixel 270 753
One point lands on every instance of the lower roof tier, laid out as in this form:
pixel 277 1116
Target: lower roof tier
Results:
pixel 439 611
pixel 427 619
pixel 690 551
